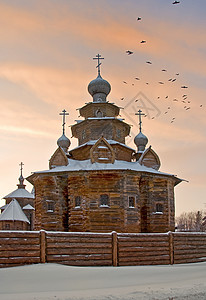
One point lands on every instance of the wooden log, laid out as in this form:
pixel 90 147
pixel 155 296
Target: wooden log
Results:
pixel 87 263
pixel 78 245
pixel 19 234
pixel 20 260
pixel 141 249
pixel 171 247
pixel 143 244
pixel 144 254
pixel 57 258
pixel 21 253
pixel 144 263
pixel 114 249
pixel 142 258
pixel 19 241
pixel 70 251
pixel 14 247
pixel 80 239
pixel 42 246
pixel 85 235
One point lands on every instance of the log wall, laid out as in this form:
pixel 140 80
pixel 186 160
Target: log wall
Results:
pixel 100 249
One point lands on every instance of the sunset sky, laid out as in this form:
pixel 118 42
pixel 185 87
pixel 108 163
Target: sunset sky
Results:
pixel 46 51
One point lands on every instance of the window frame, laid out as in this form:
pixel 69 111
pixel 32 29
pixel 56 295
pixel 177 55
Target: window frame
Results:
pixel 102 202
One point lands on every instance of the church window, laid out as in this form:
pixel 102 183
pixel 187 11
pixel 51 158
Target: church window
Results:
pixel 77 201
pixel 131 200
pixel 159 208
pixel 7 226
pixel 99 113
pixel 50 206
pixel 104 200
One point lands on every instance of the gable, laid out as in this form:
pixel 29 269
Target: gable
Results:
pixel 59 158
pixel 150 159
pixel 102 152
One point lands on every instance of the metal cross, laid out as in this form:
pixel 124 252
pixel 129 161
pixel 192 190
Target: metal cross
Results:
pixel 98 57
pixel 21 164
pixel 140 119
pixel 64 114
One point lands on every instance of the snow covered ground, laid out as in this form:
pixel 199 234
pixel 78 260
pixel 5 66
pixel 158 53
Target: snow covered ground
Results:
pixel 55 282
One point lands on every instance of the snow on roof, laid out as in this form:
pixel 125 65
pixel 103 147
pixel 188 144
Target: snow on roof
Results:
pixel 28 206
pixel 20 193
pixel 87 165
pixel 111 142
pixel 13 212
pixel 4 206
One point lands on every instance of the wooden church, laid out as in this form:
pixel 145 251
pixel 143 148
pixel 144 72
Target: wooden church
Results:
pixel 103 185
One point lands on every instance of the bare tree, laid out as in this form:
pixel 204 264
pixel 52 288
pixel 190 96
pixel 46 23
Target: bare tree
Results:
pixel 191 221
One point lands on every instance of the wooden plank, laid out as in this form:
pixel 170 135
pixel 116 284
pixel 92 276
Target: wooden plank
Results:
pixel 143 244
pixel 142 258
pixel 143 239
pixel 145 254
pixel 185 256
pixel 20 260
pixel 141 249
pixel 85 235
pixel 71 251
pixel 114 249
pixel 57 258
pixel 19 234
pixel 144 263
pixel 11 247
pixel 17 253
pixel 190 260
pixel 86 263
pixel 79 245
pixel 189 251
pixel 19 241
pixel 80 239
pixel 42 246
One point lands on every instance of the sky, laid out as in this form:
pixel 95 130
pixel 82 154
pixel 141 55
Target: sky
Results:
pixel 46 63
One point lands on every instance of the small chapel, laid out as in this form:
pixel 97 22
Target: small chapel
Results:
pixel 103 185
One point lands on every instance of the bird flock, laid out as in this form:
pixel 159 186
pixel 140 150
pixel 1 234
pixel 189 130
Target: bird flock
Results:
pixel 186 104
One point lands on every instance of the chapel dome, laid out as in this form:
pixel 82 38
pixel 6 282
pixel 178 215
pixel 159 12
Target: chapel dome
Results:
pixel 64 142
pixel 99 88
pixel 140 141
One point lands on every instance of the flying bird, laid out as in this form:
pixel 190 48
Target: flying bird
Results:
pixel 201 105
pixel 160 82
pixel 137 78
pixel 176 2
pixel 175 100
pixel 121 98
pixel 125 82
pixel 129 52
pixel 163 70
pixel 170 79
pixel 173 79
pixel 148 62
pixel 166 97
pixel 142 42
pixel 139 19
pixel 177 74
pixel 184 87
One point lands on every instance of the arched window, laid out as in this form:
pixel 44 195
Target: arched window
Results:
pixel 104 200
pixel 159 208
pixel 77 201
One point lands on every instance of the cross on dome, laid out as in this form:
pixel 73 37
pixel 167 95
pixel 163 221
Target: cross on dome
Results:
pixel 64 113
pixel 21 167
pixel 98 57
pixel 139 113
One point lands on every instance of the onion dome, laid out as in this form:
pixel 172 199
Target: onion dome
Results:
pixel 63 142
pixel 99 89
pixel 140 141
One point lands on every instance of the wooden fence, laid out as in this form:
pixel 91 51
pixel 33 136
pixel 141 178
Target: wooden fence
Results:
pixel 100 249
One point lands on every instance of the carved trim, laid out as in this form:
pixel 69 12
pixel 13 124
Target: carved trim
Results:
pixel 61 151
pixel 154 154
pixel 102 139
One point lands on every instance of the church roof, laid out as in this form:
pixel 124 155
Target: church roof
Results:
pixel 111 142
pixel 87 165
pixel 29 207
pixel 13 212
pixel 20 193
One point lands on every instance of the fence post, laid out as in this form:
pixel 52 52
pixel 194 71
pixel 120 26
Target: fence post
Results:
pixel 42 246
pixel 114 249
pixel 171 247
